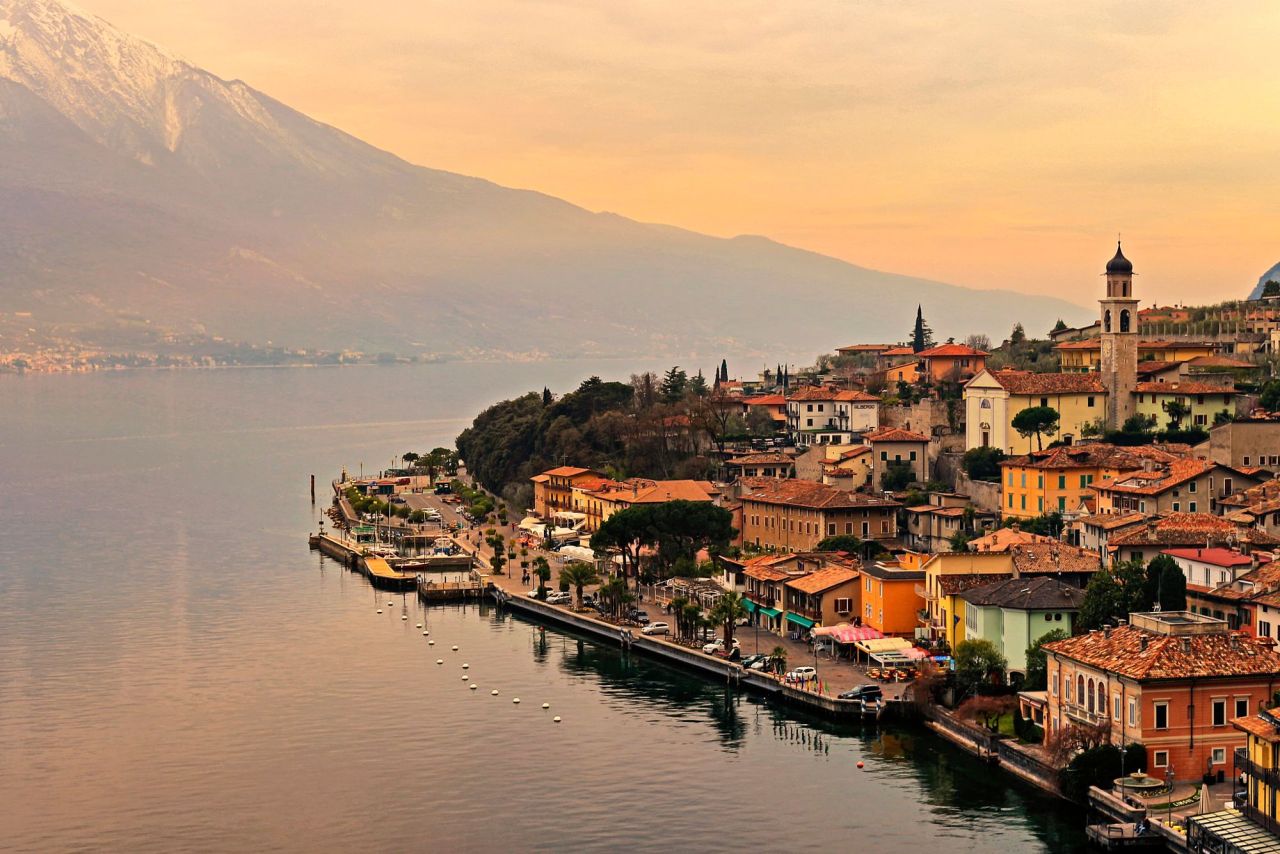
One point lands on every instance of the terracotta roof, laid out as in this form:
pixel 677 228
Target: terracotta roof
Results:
pixel 1264 493
pixel 1111 521
pixel 1168 656
pixel 823 579
pixel 950 585
pixel 565 471
pixel 761 459
pixel 807 493
pixel 1190 529
pixel 864 348
pixel 1025 382
pixel 1255 725
pixel 1096 344
pixel 951 350
pixel 856 397
pixel 899 351
pixel 855 451
pixel 1151 367
pixel 1183 387
pixel 1167 476
pixel 1217 556
pixel 813 393
pixel 767 573
pixel 1093 455
pixel 670 490
pixel 1001 539
pixel 764 400
pixel 540 478
pixel 1026 594
pixel 895 434
pixel 1053 557
pixel 1219 362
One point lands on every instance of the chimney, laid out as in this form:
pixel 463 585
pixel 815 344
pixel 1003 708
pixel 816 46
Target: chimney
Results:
pixel 1142 642
pixel 1122 622
pixel 1186 644
pixel 1234 640
pixel 1106 630
pixel 1152 525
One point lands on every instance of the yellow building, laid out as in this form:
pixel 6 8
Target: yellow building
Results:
pixel 1204 401
pixel 1258 765
pixel 946 576
pixel 1060 478
pixel 1077 357
pixel 993 398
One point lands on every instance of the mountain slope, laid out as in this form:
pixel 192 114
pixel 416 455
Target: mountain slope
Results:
pixel 132 182
pixel 1272 275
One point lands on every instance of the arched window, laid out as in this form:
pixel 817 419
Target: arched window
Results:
pixel 1090 695
pixel 1124 320
pixel 1106 321
pixel 1080 690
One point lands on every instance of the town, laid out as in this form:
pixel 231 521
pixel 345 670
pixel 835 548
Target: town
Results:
pixel 1071 572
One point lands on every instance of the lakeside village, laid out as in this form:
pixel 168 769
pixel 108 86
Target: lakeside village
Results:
pixel 1060 554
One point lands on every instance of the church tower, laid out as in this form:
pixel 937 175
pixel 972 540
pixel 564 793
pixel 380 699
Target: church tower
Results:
pixel 1119 360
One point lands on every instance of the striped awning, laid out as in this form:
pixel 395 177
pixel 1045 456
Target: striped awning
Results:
pixel 845 633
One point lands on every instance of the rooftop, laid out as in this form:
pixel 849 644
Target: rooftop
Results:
pixel 1227 558
pixel 1040 593
pixel 1140 654
pixel 951 350
pixel 895 434
pixel 949 585
pixel 1001 539
pixel 1112 521
pixel 1191 529
pixel 1052 557
pixel 1092 455
pixel 1183 387
pixel 806 493
pixel 823 579
pixel 1025 382
pixel 761 459
pixel 892 572
pixel 1168 475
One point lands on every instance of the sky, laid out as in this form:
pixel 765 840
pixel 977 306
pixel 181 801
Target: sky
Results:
pixel 986 144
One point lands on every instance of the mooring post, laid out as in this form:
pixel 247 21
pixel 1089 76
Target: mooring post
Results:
pixel 313 489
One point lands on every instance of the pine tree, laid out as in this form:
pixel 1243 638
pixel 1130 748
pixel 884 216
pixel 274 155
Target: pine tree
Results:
pixel 546 396
pixel 921 335
pixel 724 370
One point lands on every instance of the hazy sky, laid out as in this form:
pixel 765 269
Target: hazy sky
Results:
pixel 988 144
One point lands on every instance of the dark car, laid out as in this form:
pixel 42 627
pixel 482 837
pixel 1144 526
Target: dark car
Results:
pixel 863 692
pixel 443 489
pixel 640 617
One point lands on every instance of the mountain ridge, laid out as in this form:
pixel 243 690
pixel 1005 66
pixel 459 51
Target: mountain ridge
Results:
pixel 137 183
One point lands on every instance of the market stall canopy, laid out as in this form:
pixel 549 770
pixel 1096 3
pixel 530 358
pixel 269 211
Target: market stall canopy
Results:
pixel 845 633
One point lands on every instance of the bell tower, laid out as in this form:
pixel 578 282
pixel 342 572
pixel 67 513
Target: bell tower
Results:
pixel 1119 358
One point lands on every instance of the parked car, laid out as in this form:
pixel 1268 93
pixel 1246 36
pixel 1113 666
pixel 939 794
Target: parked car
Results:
pixel 752 659
pixel 656 629
pixel 765 663
pixel 639 616
pixel 801 673
pixel 717 645
pixel 863 692
pixel 558 598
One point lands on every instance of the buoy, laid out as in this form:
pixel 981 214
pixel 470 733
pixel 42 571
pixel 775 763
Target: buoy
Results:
pixel 466 667
pixel 464 678
pixel 424 634
pixel 494 692
pixel 431 643
pixel 455 649
pixel 515 700
pixel 556 719
pixel 439 661
pixel 473 686
pixel 379 610
pixel 546 705
pixel 404 616
pixel 859 764
pixel 420 626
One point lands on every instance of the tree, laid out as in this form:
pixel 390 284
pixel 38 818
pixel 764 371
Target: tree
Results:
pixel 841 543
pixel 693 619
pixel 614 595
pixel 629 531
pixel 698 385
pixel 578 575
pixel 1269 398
pixel 1176 410
pixel 1114 593
pixel 921 334
pixel 409 458
pixel 546 397
pixel 1060 326
pixel 724 370
pixel 726 613
pixel 778 658
pixel 959 541
pixel 1165 585
pixel 1037 660
pixel 1271 288
pixel 1036 421
pixel 542 571
pixel 674 385
pixel 988 710
pixel 1018 335
pixel 978 662
pixel 499 559
pixel 983 463
pixel 760 423
pixel 897 475
pixel 978 341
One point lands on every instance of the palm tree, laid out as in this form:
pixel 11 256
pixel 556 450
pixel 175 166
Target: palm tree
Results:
pixel 614 594
pixel 693 617
pixel 542 571
pixel 676 606
pixel 727 611
pixel 779 659
pixel 578 575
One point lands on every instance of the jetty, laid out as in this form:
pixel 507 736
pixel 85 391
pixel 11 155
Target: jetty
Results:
pixel 401 573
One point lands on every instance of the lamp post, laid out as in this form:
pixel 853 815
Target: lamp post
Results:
pixel 1169 820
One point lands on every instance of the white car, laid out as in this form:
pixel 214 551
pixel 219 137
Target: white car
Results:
pixel 717 645
pixel 559 598
pixel 801 673
pixel 656 629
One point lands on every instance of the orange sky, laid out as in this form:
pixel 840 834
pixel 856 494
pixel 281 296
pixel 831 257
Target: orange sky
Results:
pixel 990 144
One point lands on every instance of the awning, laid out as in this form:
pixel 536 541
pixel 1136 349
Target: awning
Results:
pixel 748 604
pixel 768 612
pixel 799 620
pixel 845 633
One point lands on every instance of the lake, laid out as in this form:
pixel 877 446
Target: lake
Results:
pixel 179 673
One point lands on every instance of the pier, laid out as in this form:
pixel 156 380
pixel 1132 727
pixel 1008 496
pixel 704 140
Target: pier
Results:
pixel 401 574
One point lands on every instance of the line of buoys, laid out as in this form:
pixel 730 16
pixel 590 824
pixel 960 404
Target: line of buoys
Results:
pixel 431 643
pixel 464 678
pixel 424 634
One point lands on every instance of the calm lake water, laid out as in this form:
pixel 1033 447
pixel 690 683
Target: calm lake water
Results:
pixel 178 672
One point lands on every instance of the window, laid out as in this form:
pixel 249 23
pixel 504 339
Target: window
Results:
pixel 1191 507
pixel 831 529
pixel 1010 500
pixel 1080 690
pixel 1219 712
pixel 1264 628
pixel 1161 759
pixel 1133 712
pixel 844 605
pixel 1161 715
pixel 1242 707
pixel 1191 487
pixel 1091 400
pixel 1062 481
pixel 1177 507
pixel 1044 401
pixel 1219 756
pixel 1062 503
pixel 1115 707
pixel 1024 502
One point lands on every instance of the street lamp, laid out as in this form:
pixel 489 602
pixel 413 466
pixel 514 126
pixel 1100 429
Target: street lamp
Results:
pixel 1169 820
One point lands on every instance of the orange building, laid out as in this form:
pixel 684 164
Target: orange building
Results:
pixel 553 489
pixel 951 362
pixel 1171 681
pixel 891 598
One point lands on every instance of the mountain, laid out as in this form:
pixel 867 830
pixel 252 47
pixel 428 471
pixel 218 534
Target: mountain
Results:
pixel 1272 275
pixel 136 185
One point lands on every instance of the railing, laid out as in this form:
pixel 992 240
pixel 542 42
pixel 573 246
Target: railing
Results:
pixel 925 594
pixel 1082 714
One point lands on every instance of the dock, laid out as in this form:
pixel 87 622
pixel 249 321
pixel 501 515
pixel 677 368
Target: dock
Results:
pixel 406 573
pixel 1123 837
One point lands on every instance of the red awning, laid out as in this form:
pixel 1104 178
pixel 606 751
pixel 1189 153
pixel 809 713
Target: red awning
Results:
pixel 845 633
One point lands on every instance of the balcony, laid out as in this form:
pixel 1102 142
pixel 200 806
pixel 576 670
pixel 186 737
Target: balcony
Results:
pixel 1081 714
pixel 1255 774
pixel 925 594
